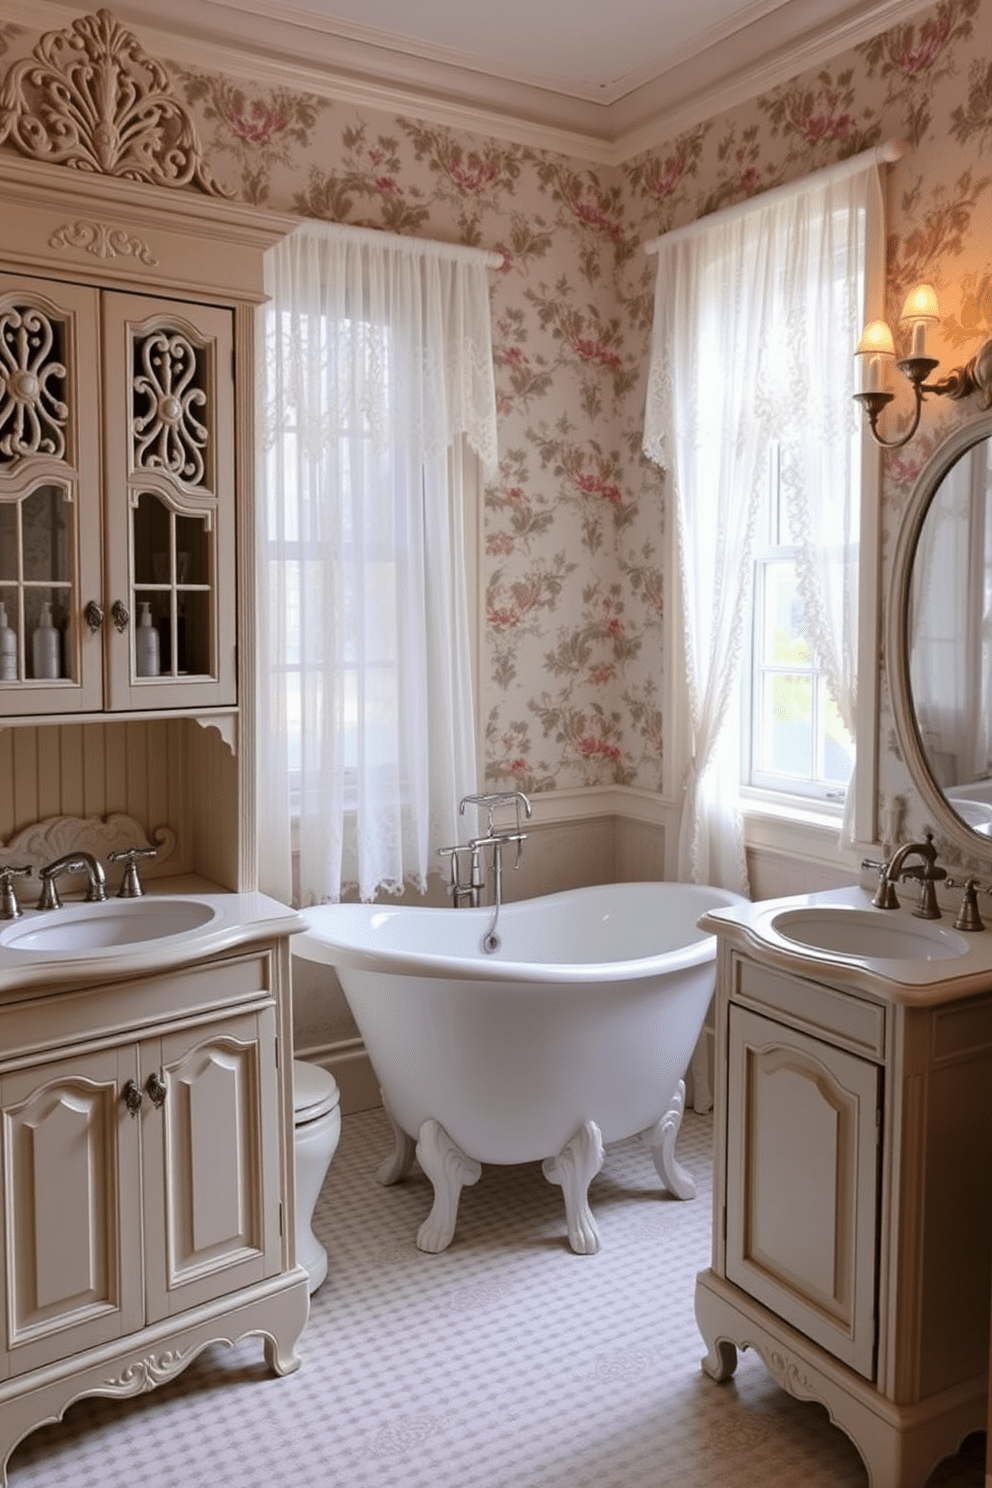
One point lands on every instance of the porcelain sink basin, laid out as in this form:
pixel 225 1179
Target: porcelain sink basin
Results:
pixel 869 934
pixel 117 924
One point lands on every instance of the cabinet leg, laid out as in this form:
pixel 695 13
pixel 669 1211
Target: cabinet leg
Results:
pixel 449 1170
pixel 720 1359
pixel 574 1169
pixel 280 1359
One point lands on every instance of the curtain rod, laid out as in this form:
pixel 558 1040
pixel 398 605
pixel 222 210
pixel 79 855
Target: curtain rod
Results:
pixel 373 235
pixel 884 154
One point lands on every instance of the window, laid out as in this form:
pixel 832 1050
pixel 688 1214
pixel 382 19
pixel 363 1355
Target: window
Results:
pixel 376 390
pixel 795 742
pixel 750 409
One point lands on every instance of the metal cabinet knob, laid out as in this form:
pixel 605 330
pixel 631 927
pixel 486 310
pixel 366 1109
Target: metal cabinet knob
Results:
pixel 120 614
pixel 93 615
pixel 157 1089
pixel 132 1097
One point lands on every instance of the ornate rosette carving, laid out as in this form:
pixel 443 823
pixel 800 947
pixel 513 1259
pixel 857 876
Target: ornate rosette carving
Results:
pixel 33 415
pixel 90 98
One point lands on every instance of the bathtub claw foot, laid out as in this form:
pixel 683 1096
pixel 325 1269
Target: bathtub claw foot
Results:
pixel 573 1170
pixel 449 1170
pixel 397 1165
pixel 661 1138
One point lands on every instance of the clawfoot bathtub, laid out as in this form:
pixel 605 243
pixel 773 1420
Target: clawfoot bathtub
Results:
pixel 576 1032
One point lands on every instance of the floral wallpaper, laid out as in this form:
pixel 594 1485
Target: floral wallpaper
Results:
pixel 576 527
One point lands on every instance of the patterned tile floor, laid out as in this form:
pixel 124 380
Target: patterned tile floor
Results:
pixel 506 1362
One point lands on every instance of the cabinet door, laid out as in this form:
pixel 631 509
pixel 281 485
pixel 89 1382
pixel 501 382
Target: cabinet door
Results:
pixel 211 1158
pixel 169 410
pixel 50 520
pixel 71 1207
pixel 802 1183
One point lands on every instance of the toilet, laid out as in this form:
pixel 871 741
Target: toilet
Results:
pixel 317 1128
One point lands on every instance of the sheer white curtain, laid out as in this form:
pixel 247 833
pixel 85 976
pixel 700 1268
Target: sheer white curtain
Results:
pixel 757 313
pixel 377 373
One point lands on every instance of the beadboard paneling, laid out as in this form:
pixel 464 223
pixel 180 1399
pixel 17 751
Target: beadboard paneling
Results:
pixel 94 769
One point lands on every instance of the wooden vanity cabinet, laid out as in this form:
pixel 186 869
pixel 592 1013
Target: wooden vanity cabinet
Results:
pixel 147 1181
pixel 853 1206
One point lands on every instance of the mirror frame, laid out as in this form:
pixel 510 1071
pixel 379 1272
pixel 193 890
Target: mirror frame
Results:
pixel 946 821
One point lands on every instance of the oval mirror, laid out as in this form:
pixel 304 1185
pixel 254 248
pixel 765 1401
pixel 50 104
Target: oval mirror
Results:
pixel 940 636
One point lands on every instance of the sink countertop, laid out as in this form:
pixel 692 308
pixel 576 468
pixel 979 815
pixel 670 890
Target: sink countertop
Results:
pixel 886 979
pixel 237 919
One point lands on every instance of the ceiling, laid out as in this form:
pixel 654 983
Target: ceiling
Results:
pixel 610 76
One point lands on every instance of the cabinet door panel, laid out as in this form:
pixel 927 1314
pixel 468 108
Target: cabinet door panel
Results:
pixel 211 1155
pixel 170 501
pixel 50 525
pixel 72 1219
pixel 802 1183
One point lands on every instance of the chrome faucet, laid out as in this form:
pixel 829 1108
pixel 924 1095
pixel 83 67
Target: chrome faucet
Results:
pixel 74 862
pixel 893 870
pixel 495 839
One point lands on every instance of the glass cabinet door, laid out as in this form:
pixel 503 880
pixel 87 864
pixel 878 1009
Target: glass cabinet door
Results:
pixel 49 557
pixel 170 495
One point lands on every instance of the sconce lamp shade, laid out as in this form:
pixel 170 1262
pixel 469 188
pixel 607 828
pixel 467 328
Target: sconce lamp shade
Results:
pixel 921 304
pixel 920 310
pixel 876 340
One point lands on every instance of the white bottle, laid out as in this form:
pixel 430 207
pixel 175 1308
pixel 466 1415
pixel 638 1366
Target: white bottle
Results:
pixel 146 644
pixel 45 645
pixel 8 648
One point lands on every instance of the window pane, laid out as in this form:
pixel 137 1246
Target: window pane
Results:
pixel 783 641
pixel 784 733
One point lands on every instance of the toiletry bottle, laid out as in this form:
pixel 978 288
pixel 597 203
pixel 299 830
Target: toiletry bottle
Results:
pixel 146 645
pixel 45 645
pixel 8 648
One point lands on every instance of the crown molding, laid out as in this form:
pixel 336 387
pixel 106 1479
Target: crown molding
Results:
pixel 796 37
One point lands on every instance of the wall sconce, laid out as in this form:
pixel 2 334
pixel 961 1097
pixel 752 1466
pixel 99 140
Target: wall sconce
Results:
pixel 919 312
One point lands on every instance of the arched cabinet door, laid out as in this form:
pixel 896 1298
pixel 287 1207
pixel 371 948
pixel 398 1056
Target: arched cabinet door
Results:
pixel 211 1161
pixel 50 520
pixel 170 503
pixel 802 1178
pixel 72 1207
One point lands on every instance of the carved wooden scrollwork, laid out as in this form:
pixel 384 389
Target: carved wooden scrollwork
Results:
pixel 91 98
pixel 33 413
pixel 168 435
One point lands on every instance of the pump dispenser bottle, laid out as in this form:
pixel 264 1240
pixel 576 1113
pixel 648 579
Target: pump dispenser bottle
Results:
pixel 146 645
pixel 8 648
pixel 45 645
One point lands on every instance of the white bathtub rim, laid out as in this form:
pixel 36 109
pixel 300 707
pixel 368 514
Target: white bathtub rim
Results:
pixel 332 938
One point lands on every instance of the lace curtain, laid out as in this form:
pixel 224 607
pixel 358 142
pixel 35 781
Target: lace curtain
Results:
pixel 757 313
pixel 377 373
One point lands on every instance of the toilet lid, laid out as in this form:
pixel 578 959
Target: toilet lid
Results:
pixel 315 1091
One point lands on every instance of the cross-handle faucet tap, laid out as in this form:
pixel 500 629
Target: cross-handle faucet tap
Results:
pixel 74 862
pixel 9 907
pixel 927 872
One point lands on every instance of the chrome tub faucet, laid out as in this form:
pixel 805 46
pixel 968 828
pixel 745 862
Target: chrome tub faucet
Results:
pixel 494 838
